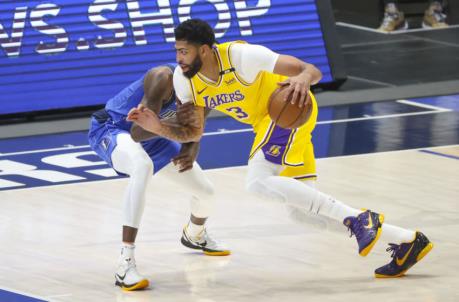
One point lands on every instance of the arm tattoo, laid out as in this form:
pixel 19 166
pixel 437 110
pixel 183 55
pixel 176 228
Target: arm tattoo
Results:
pixel 181 133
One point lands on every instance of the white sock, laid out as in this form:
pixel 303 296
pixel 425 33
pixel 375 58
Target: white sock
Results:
pixel 194 230
pixel 127 251
pixel 334 209
pixel 394 234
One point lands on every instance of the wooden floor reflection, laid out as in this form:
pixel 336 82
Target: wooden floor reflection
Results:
pixel 61 243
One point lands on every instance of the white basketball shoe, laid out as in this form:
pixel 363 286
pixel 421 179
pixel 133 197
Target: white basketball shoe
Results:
pixel 205 243
pixel 127 276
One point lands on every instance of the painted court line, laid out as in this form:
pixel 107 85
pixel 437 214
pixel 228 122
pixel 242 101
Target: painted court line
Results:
pixel 44 150
pixel 421 105
pixel 365 118
pixel 122 179
pixel 439 154
pixel 25 296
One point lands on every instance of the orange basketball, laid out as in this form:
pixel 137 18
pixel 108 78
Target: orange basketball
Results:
pixel 286 115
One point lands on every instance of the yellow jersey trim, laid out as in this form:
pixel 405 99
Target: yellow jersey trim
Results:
pixel 287 149
pixel 220 67
pixel 193 93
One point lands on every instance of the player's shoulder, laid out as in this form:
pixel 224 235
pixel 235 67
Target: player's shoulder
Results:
pixel 182 85
pixel 241 47
pixel 170 66
pixel 179 77
pixel 164 69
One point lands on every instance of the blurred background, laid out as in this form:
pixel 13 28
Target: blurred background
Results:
pixel 62 60
pixel 391 69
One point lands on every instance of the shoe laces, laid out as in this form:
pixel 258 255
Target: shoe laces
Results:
pixel 210 242
pixel 356 228
pixel 206 237
pixel 393 248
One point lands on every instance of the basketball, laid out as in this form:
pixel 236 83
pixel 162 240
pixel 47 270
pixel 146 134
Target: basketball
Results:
pixel 284 113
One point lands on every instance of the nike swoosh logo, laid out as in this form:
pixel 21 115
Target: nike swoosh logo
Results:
pixel 122 278
pixel 402 261
pixel 201 91
pixel 370 222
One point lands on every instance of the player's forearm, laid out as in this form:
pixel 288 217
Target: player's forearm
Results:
pixel 312 73
pixel 293 67
pixel 138 134
pixel 178 132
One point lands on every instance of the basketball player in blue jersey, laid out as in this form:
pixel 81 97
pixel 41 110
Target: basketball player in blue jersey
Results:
pixel 237 79
pixel 133 151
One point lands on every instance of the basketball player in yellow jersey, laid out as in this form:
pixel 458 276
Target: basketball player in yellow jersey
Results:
pixel 237 79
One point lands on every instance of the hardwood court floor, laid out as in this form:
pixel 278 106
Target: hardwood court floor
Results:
pixel 61 243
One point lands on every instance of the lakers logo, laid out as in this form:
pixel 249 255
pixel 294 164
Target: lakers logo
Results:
pixel 223 98
pixel 274 150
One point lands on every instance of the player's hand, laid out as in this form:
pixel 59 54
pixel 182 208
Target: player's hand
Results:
pixel 187 115
pixel 298 87
pixel 145 118
pixel 185 159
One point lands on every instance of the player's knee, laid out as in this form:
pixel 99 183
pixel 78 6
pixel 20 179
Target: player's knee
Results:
pixel 207 189
pixel 254 185
pixel 142 163
pixel 260 186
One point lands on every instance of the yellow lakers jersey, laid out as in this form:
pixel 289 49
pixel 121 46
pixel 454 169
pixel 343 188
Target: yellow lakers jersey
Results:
pixel 245 102
pixel 248 103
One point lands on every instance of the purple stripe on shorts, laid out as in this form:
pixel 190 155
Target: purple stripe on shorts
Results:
pixel 277 143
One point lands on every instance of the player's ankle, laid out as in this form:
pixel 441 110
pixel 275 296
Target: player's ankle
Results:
pixel 194 230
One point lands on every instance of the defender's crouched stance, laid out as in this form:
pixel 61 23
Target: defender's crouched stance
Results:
pixel 132 151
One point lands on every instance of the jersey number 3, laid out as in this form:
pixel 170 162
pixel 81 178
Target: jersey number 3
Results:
pixel 240 114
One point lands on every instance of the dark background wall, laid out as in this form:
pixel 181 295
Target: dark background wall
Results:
pixel 369 12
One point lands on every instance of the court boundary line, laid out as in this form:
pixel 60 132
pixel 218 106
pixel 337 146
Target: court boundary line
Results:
pixel 7 289
pixel 225 168
pixel 365 118
pixel 439 154
pixel 44 150
pixel 421 105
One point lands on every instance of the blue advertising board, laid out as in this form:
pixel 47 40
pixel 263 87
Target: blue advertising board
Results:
pixel 58 54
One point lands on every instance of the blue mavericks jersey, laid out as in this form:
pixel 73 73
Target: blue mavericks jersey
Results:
pixel 128 98
pixel 103 132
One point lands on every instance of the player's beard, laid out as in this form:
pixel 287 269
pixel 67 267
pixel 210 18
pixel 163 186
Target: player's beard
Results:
pixel 193 68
